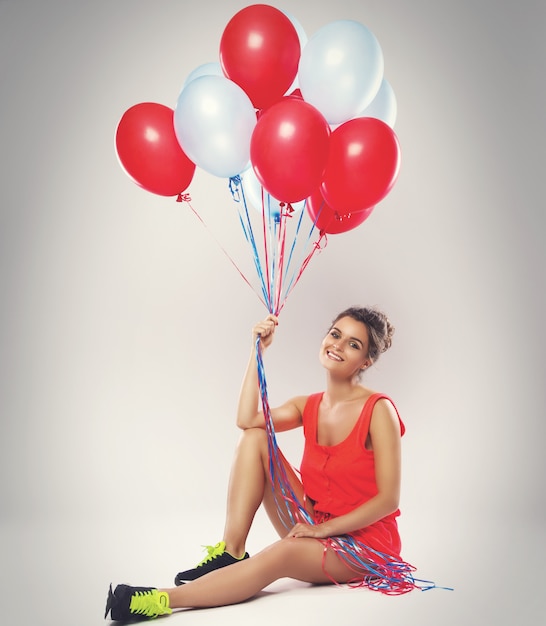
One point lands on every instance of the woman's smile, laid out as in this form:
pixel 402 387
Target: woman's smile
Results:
pixel 333 356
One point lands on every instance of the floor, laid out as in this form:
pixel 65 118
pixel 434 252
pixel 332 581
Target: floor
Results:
pixel 57 572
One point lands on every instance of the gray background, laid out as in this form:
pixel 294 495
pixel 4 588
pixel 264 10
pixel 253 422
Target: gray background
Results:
pixel 124 329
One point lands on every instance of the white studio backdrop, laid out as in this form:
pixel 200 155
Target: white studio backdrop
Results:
pixel 125 329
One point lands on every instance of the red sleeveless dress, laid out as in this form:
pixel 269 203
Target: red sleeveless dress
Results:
pixel 339 478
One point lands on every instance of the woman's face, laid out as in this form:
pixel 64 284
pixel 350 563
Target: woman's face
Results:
pixel 344 350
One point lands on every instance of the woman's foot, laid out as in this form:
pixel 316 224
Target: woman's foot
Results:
pixel 130 603
pixel 216 558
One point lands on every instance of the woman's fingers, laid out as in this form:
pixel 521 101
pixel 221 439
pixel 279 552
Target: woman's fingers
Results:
pixel 308 530
pixel 266 327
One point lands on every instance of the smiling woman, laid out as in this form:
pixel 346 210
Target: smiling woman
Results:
pixel 343 528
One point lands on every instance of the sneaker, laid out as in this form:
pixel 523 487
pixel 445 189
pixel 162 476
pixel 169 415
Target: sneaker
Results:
pixel 216 558
pixel 136 603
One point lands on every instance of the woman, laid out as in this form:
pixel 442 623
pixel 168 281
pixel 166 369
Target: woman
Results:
pixel 349 487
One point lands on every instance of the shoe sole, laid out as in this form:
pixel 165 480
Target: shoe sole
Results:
pixel 109 601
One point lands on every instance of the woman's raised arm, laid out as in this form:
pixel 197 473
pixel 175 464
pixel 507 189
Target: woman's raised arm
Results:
pixel 249 410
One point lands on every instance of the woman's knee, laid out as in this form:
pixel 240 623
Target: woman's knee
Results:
pixel 288 549
pixel 256 438
pixel 307 559
pixel 299 558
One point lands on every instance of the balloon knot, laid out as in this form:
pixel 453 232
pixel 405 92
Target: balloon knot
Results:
pixel 183 197
pixel 235 185
pixel 286 209
pixel 323 239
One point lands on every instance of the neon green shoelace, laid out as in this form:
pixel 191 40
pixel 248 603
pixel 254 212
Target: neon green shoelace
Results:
pixel 149 603
pixel 213 552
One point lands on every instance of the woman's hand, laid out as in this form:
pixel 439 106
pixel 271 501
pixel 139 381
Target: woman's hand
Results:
pixel 265 330
pixel 317 531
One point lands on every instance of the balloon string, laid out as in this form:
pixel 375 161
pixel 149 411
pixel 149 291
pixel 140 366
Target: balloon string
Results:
pixel 293 280
pixel 291 253
pixel 237 192
pixel 316 247
pixel 298 227
pixel 269 272
pixel 301 266
pixel 274 260
pixel 186 198
pixel 249 233
pixel 290 509
pixel 272 234
pixel 281 243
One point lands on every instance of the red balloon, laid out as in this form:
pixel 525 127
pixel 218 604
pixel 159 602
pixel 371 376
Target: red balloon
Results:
pixel 149 152
pixel 296 94
pixel 363 164
pixel 330 221
pixel 260 51
pixel 289 149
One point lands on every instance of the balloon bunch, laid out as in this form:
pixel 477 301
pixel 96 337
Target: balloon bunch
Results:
pixel 302 128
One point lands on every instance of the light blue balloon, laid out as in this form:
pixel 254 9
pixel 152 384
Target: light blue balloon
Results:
pixel 207 69
pixel 303 39
pixel 213 122
pixel 383 107
pixel 341 69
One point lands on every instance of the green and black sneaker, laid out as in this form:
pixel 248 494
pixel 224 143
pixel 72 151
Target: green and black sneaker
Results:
pixel 216 558
pixel 127 603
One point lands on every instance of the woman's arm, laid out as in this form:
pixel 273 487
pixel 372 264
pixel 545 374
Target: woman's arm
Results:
pixel 249 411
pixel 385 436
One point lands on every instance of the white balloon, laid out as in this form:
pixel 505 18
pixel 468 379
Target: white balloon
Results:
pixel 206 69
pixel 213 122
pixel 341 69
pixel 383 106
pixel 302 36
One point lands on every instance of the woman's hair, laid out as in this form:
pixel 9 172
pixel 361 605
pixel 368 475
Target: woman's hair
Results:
pixel 380 329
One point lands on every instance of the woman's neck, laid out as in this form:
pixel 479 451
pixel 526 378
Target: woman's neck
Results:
pixel 342 391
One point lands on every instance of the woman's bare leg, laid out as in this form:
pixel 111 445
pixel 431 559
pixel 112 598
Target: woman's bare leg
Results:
pixel 249 486
pixel 298 558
